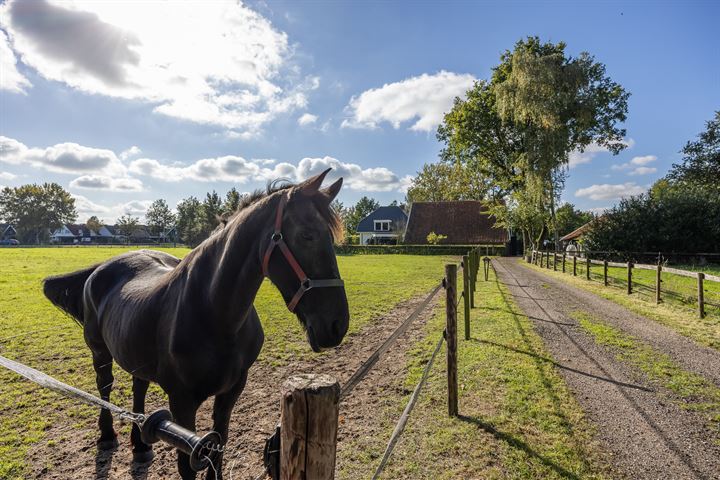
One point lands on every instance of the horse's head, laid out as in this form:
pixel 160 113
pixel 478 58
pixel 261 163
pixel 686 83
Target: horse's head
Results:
pixel 300 260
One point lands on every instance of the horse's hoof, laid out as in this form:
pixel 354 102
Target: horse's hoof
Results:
pixel 107 444
pixel 144 456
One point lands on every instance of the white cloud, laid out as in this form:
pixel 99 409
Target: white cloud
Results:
pixel 101 182
pixel 636 165
pixel 7 176
pixel 10 78
pixel 133 151
pixel 110 213
pixel 608 191
pixel 422 100
pixel 220 63
pixel 643 171
pixel 578 158
pixel 307 119
pixel 62 158
pixel 239 170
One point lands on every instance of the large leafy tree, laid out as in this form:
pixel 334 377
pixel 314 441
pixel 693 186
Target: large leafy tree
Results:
pixel 518 129
pixel 190 221
pixel 212 212
pixel 700 165
pixel 557 104
pixel 35 210
pixel 447 181
pixel 94 223
pixel 127 225
pixel 364 207
pixel 232 201
pixel 159 217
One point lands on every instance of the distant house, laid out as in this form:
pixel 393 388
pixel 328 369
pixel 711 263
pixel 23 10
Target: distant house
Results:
pixel 384 225
pixel 465 222
pixel 576 235
pixel 73 233
pixel 7 231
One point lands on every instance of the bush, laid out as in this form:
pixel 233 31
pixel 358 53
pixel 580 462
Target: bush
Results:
pixel 416 249
pixel 435 239
pixel 664 220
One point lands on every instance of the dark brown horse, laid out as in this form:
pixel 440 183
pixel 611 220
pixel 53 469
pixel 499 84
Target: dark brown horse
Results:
pixel 189 325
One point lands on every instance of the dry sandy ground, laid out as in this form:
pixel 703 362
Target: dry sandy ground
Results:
pixel 648 435
pixel 257 411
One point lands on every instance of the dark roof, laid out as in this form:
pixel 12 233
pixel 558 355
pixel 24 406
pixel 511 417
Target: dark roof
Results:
pixel 578 232
pixel 78 230
pixel 463 222
pixel 392 212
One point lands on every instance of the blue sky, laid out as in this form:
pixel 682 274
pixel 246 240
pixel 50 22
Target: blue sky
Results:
pixel 219 94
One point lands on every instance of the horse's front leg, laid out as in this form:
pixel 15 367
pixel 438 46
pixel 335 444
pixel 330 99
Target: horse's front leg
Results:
pixel 184 409
pixel 222 410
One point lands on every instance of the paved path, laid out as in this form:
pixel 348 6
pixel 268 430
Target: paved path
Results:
pixel 644 430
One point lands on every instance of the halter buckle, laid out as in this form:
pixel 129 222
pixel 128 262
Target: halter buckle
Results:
pixel 276 237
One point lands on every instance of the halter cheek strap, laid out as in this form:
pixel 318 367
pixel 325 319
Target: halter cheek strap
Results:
pixel 276 240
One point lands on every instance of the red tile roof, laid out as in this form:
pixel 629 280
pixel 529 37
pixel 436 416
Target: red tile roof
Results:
pixel 464 222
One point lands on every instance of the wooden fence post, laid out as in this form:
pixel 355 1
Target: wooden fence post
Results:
pixel 701 295
pixel 486 267
pixel 605 267
pixel 554 262
pixel 466 296
pixel 309 423
pixel 473 279
pixel 563 261
pixel 587 266
pixel 574 265
pixel 451 337
pixel 657 283
pixel 629 277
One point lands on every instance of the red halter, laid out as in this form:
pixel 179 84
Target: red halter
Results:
pixel 276 240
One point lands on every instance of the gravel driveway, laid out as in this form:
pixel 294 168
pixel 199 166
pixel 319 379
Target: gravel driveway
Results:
pixel 645 431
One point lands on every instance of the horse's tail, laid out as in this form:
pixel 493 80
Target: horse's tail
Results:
pixel 66 291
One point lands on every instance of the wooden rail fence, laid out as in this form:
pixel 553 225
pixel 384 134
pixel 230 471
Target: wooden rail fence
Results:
pixel 542 258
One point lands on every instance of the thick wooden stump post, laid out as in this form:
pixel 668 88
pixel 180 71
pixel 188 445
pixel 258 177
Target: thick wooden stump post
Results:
pixel 701 295
pixel 466 297
pixel 451 337
pixel 309 424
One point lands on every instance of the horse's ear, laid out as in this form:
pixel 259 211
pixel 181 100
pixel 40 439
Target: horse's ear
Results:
pixel 311 186
pixel 332 191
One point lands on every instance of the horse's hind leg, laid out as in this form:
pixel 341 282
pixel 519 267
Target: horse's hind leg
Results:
pixel 102 362
pixel 142 452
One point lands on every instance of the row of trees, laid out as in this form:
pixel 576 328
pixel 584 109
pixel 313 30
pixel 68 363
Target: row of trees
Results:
pixel 510 139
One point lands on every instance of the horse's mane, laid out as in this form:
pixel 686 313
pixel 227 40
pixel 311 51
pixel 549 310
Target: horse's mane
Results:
pixel 327 212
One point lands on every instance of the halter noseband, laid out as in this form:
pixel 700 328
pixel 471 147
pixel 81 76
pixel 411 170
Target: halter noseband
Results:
pixel 276 240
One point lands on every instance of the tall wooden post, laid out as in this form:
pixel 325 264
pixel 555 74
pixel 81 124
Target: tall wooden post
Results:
pixel 466 296
pixel 563 261
pixel 587 267
pixel 629 277
pixel 486 267
pixel 309 424
pixel 657 283
pixel 472 278
pixel 574 265
pixel 605 267
pixel 701 295
pixel 451 337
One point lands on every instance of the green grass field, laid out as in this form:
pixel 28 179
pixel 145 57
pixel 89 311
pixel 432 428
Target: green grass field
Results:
pixel 34 332
pixel 517 419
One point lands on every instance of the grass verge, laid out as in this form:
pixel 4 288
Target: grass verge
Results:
pixel 689 390
pixel 682 319
pixel 34 332
pixel 518 418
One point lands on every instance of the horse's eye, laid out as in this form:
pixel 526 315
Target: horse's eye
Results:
pixel 306 236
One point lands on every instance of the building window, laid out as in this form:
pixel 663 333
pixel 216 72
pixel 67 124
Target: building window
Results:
pixel 382 225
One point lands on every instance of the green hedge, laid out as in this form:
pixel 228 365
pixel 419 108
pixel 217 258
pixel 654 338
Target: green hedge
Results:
pixel 416 249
